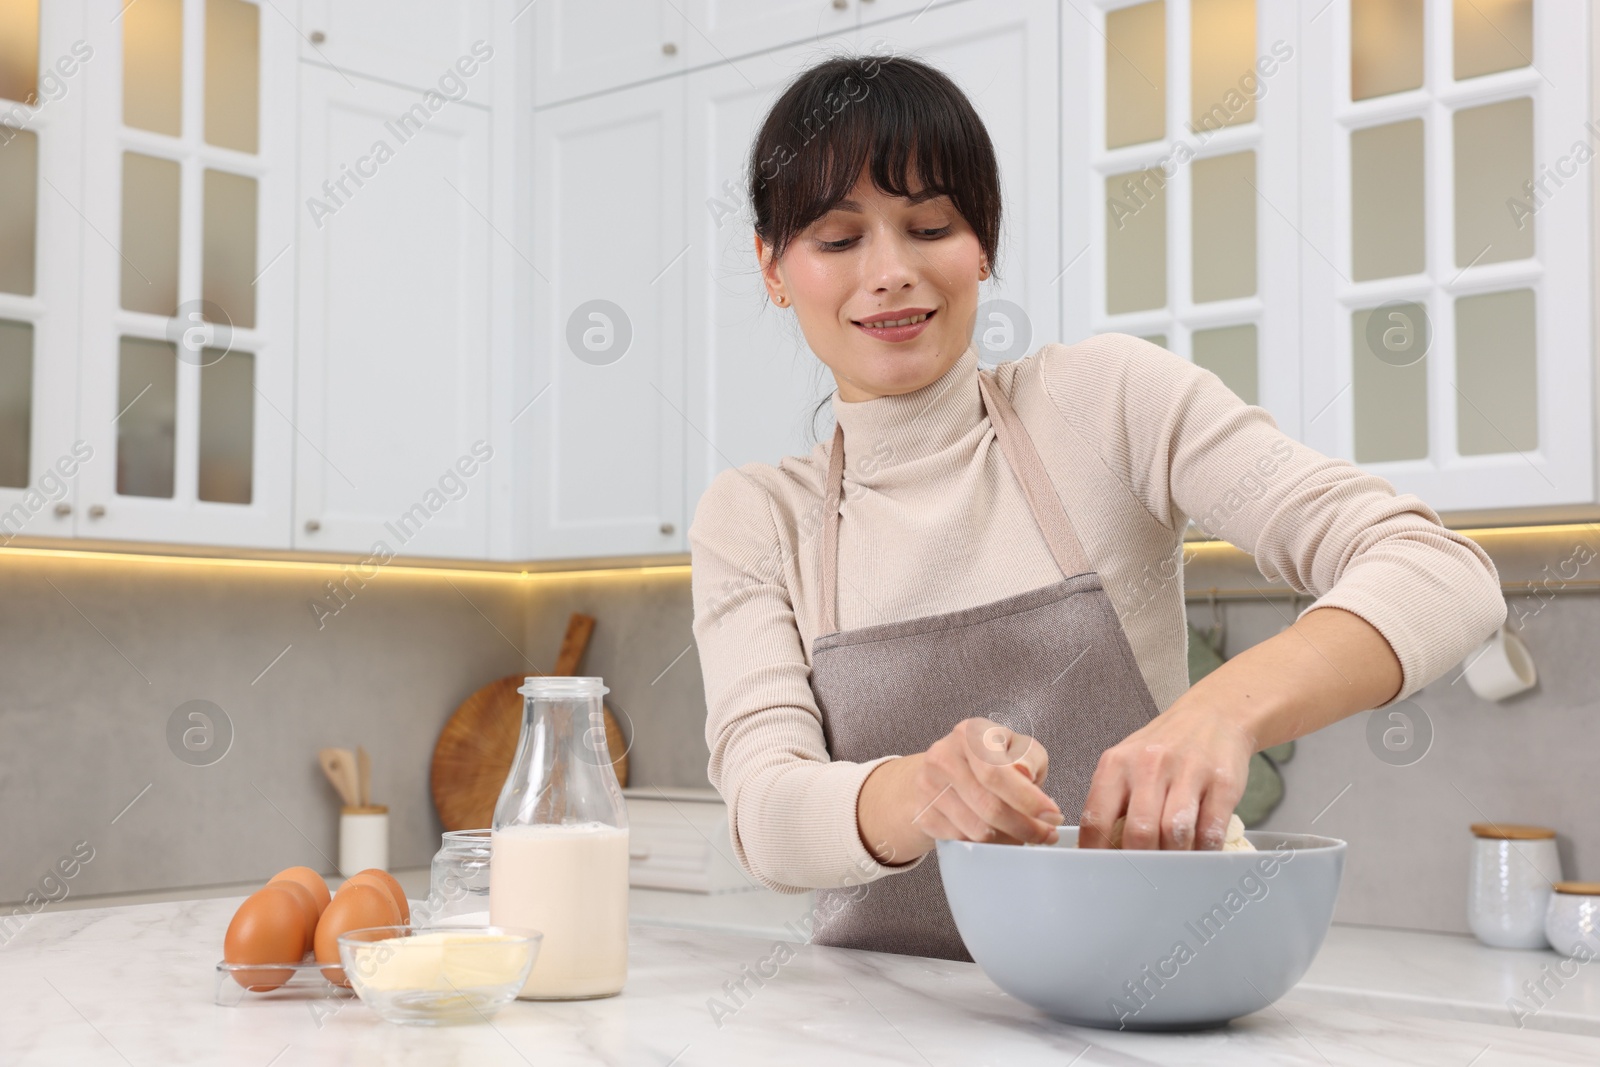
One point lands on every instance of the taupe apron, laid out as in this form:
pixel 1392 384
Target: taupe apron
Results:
pixel 1052 663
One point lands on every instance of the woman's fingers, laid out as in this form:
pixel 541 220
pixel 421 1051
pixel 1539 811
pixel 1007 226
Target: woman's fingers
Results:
pixel 982 779
pixel 1012 772
pixel 1179 814
pixel 1146 801
pixel 1215 807
pixel 1175 782
pixel 990 743
pixel 936 824
pixel 1107 800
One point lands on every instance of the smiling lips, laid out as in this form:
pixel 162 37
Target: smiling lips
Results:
pixel 896 325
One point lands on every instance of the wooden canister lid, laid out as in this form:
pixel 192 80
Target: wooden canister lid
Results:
pixel 1579 889
pixel 370 809
pixel 1500 831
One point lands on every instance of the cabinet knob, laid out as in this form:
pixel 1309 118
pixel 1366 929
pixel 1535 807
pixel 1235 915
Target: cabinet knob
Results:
pixel 97 511
pixel 667 529
pixel 63 510
pixel 840 5
pixel 312 526
pixel 669 49
pixel 317 37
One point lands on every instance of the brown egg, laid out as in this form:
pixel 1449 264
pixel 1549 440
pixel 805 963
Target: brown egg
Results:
pixel 354 907
pixel 311 880
pixel 385 881
pixel 269 927
pixel 308 907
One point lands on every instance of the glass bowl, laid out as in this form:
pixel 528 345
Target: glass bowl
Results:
pixel 438 975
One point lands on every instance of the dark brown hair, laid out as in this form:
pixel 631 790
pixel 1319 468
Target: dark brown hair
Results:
pixel 898 116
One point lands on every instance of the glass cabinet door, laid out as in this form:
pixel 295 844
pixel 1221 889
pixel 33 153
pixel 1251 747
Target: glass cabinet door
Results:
pixel 1447 282
pixel 1188 238
pixel 187 326
pixel 41 107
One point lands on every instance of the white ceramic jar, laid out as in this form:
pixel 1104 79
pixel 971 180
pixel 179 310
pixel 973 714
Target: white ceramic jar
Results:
pixel 1573 918
pixel 1513 870
pixel 363 838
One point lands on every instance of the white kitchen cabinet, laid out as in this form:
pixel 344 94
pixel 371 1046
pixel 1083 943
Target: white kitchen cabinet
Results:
pixel 725 31
pixel 394 321
pixel 1180 186
pixel 602 433
pixel 754 385
pixel 185 374
pixel 1420 136
pixel 871 11
pixel 413 43
pixel 730 31
pixel 582 47
pixel 39 287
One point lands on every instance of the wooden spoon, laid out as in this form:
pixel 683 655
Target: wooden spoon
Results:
pixel 339 765
pixel 364 776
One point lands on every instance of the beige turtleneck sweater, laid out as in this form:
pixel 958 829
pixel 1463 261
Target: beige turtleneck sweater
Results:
pixel 1137 442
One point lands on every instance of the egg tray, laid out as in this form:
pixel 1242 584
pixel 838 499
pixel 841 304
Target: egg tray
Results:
pixel 305 982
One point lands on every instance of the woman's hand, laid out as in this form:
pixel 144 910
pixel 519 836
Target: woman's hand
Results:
pixel 1177 778
pixel 977 783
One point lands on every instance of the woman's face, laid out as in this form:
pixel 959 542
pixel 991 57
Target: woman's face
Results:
pixel 875 255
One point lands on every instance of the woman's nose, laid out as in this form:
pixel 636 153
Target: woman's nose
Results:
pixel 892 261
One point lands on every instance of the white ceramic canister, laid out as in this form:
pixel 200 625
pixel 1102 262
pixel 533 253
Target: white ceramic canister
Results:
pixel 1573 918
pixel 363 838
pixel 1509 887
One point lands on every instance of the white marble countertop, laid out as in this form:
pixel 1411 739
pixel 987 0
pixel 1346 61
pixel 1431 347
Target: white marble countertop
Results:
pixel 134 985
pixel 756 912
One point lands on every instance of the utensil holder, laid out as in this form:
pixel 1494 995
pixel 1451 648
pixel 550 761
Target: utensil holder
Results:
pixel 363 838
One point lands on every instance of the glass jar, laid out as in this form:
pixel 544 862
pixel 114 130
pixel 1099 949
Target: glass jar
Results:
pixel 458 888
pixel 560 844
pixel 1513 870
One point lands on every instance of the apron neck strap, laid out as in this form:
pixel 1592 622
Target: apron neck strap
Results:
pixel 1026 466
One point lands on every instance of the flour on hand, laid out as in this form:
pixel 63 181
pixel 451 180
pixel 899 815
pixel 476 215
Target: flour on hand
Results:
pixel 1233 841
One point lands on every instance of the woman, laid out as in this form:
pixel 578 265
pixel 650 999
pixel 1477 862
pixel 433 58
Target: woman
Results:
pixel 963 617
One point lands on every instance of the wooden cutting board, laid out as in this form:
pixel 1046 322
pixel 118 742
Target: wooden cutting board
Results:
pixel 476 748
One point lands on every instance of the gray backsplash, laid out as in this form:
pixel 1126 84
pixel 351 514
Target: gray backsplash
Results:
pixel 1529 759
pixel 95 656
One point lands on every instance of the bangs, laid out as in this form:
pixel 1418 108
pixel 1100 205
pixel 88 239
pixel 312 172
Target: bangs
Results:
pixel 913 129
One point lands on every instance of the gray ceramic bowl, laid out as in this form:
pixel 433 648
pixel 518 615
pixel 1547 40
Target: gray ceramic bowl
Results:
pixel 1144 940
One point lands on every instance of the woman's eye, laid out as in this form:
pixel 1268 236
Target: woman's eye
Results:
pixel 926 233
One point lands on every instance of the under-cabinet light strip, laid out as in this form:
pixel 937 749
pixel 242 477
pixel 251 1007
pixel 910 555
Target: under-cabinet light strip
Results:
pixel 1194 548
pixel 421 570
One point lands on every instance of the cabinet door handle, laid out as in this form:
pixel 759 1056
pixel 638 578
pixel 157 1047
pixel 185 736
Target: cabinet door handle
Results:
pixel 97 511
pixel 317 37
pixel 667 529
pixel 668 48
pixel 840 5
pixel 63 510
pixel 312 526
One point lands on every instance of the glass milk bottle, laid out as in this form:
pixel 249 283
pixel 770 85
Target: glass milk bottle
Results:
pixel 560 844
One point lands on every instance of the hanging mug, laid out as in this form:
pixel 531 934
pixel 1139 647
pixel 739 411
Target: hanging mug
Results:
pixel 1502 667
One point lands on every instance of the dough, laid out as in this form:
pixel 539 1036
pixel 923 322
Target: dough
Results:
pixel 1233 840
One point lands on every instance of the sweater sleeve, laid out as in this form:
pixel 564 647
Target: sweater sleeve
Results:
pixel 792 810
pixel 1186 446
